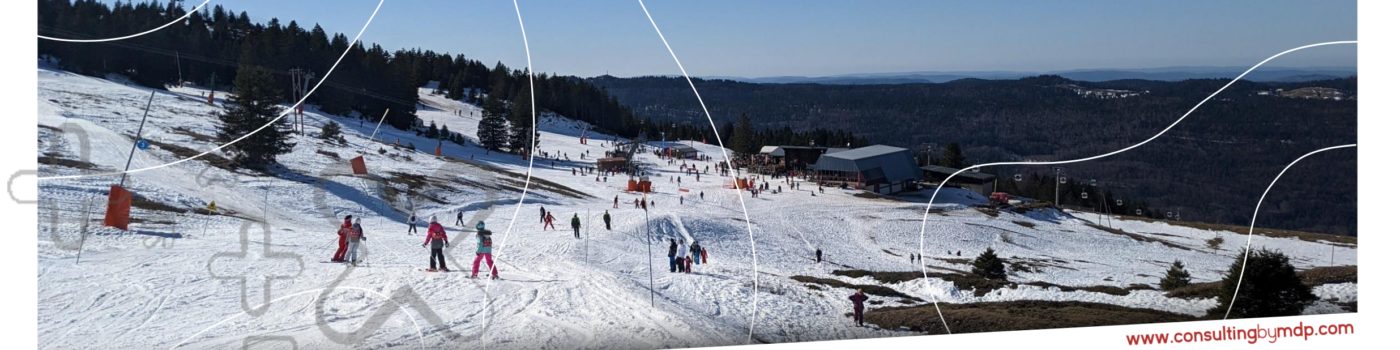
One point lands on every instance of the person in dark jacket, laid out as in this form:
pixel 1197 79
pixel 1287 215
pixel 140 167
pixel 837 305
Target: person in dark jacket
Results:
pixel 859 300
pixel 607 220
pixel 694 252
pixel 575 224
pixel 438 238
pixel 671 255
pixel 819 255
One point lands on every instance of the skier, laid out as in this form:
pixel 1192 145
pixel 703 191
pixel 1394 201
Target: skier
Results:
pixel 614 202
pixel 702 195
pixel 859 300
pixel 342 233
pixel 688 260
pixel 548 221
pixel 911 258
pixel 483 250
pixel 682 199
pixel 542 214
pixel 819 255
pixel 355 235
pixel 607 220
pixel 438 237
pixel 459 219
pixel 412 223
pixel 694 252
pixel 671 255
pixel 575 224
pixel 634 204
pixel 704 256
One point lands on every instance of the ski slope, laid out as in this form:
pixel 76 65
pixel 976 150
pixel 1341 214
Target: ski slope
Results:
pixel 257 274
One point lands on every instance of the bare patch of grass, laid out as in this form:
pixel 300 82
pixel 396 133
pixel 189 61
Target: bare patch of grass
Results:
pixel 1023 223
pixel 867 288
pixel 1014 316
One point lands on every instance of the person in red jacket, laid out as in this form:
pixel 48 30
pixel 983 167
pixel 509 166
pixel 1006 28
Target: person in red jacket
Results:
pixel 859 299
pixel 438 238
pixel 549 221
pixel 344 231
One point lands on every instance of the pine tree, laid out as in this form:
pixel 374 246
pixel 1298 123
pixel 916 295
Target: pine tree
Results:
pixel 953 156
pixel 432 131
pixel 1177 277
pixel 492 130
pixel 331 131
pixel 989 266
pixel 741 140
pixel 521 121
pixel 253 105
pixel 1268 287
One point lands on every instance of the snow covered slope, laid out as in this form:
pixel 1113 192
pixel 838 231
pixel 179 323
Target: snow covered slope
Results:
pixel 256 273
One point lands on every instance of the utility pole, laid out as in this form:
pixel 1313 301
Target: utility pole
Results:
pixel 138 137
pixel 1058 180
pixel 178 71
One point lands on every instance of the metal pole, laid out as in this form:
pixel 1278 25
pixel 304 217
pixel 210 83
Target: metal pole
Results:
pixel 138 137
pixel 650 276
pixel 586 226
pixel 82 230
pixel 179 71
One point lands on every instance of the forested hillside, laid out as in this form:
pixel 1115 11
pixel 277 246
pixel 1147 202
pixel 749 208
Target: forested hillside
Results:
pixel 1214 165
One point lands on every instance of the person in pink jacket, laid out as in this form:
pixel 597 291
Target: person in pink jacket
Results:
pixel 437 236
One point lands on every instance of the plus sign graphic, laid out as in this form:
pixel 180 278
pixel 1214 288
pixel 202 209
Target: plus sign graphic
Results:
pixel 263 269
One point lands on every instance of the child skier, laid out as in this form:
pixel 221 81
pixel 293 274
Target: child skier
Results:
pixel 704 256
pixel 342 233
pixel 356 235
pixel 548 221
pixel 438 238
pixel 412 223
pixel 459 219
pixel 483 250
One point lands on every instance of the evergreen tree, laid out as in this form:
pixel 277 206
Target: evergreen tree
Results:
pixel 953 156
pixel 521 121
pixel 1177 277
pixel 989 266
pixel 741 140
pixel 432 131
pixel 253 105
pixel 491 131
pixel 1269 287
pixel 331 132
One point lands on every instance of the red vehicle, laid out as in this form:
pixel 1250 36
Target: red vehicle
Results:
pixel 1000 198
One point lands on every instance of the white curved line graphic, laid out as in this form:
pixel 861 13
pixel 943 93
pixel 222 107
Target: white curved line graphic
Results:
pixel 421 343
pixel 1250 237
pixel 187 15
pixel 924 224
pixel 529 171
pixel 269 123
pixel 753 248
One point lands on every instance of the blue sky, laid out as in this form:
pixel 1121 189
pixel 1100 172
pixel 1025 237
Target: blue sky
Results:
pixel 817 38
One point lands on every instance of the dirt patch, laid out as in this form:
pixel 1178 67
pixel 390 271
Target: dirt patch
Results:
pixel 1023 223
pixel 1328 274
pixel 990 212
pixel 882 276
pixel 184 152
pixel 1346 241
pixel 194 135
pixel 1137 237
pixel 868 289
pixel 51 159
pixel 1205 290
pixel 1015 316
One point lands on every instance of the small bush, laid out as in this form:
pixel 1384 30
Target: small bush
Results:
pixel 1268 287
pixel 1214 243
pixel 1177 277
pixel 331 132
pixel 989 266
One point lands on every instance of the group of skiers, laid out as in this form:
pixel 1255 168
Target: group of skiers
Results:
pixel 681 260
pixel 350 236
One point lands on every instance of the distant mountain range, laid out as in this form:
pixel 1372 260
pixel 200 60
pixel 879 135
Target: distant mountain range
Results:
pixel 1262 74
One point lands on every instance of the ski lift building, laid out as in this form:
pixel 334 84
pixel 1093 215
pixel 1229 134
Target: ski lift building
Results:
pixel 982 183
pixel 879 168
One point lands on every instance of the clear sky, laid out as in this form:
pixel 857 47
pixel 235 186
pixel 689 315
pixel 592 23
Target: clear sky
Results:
pixel 818 38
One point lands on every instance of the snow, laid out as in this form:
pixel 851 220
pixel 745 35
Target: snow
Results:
pixel 177 275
